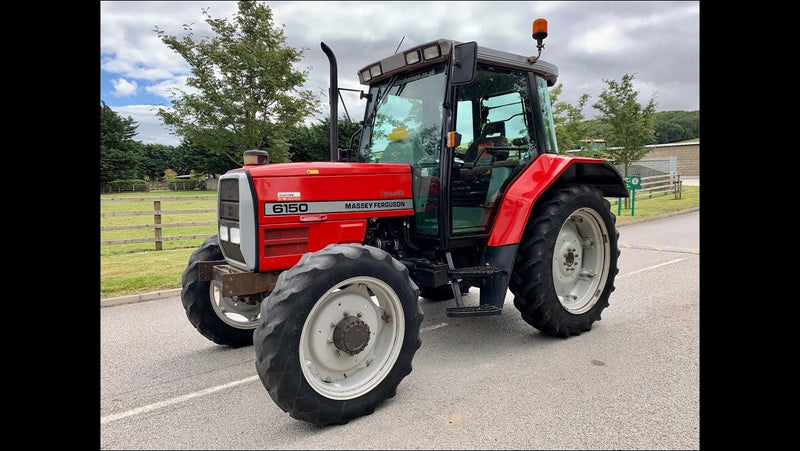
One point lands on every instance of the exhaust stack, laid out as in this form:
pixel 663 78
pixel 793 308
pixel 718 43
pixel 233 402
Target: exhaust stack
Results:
pixel 333 96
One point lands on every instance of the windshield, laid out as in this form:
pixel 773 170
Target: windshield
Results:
pixel 404 119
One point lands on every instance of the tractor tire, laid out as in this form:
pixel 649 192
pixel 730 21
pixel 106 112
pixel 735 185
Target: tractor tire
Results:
pixel 442 293
pixel 566 261
pixel 224 321
pixel 338 333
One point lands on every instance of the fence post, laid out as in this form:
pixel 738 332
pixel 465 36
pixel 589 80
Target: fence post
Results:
pixel 157 223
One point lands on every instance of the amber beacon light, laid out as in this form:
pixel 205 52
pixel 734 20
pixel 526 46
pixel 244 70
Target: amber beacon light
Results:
pixel 539 32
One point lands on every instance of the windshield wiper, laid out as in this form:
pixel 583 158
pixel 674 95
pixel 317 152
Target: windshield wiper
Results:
pixel 379 97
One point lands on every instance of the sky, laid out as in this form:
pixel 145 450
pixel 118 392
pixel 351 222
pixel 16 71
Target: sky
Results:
pixel 658 43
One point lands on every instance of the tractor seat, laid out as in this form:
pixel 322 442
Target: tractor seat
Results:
pixel 493 134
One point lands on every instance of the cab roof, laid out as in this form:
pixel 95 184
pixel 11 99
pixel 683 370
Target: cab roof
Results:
pixel 439 50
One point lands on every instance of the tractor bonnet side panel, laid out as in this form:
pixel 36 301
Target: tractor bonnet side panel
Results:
pixel 303 207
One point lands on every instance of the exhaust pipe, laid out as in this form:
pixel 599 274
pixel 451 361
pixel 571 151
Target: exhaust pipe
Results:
pixel 333 96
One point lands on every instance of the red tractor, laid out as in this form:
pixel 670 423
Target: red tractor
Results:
pixel 455 184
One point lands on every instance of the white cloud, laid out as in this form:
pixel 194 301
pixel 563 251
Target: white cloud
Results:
pixel 124 88
pixel 150 129
pixel 164 88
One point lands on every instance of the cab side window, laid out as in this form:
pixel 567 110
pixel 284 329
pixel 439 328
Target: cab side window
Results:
pixel 492 115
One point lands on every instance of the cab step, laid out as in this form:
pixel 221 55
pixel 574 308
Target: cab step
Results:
pixel 481 310
pixel 473 272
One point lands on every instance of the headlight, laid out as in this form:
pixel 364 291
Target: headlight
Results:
pixel 236 236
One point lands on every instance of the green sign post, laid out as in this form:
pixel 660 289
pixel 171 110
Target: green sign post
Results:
pixel 634 182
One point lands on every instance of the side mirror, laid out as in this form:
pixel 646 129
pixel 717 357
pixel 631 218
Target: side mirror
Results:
pixel 465 60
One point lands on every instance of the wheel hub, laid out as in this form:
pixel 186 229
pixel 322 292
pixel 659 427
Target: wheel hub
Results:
pixel 351 335
pixel 569 258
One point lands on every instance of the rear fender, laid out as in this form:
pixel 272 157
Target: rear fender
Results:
pixel 546 170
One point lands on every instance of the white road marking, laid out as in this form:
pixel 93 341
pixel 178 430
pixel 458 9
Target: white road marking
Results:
pixel 660 248
pixel 176 400
pixel 651 267
pixel 430 328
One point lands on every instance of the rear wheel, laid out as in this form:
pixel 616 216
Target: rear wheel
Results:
pixel 224 321
pixel 338 333
pixel 566 262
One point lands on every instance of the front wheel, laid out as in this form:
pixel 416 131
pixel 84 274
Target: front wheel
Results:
pixel 566 262
pixel 225 321
pixel 338 333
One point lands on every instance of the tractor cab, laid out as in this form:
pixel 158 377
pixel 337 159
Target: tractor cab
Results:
pixel 468 120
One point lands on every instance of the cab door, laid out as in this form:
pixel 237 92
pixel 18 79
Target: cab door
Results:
pixel 493 116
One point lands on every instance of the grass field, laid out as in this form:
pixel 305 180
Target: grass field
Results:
pixel 138 268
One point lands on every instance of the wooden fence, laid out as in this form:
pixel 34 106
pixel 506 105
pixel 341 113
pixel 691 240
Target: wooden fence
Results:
pixel 157 225
pixel 652 186
pixel 659 185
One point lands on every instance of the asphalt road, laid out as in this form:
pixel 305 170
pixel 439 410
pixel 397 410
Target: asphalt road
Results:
pixel 632 382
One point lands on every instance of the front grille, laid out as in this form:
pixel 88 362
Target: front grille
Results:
pixel 234 218
pixel 228 210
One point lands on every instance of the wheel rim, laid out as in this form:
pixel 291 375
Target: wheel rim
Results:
pixel 581 261
pixel 238 314
pixel 357 304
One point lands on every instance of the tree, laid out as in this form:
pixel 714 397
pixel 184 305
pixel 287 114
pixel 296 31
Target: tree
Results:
pixel 309 143
pixel 119 153
pixel 674 126
pixel 313 143
pixel 245 86
pixel 156 158
pixel 629 125
pixel 569 120
pixel 204 160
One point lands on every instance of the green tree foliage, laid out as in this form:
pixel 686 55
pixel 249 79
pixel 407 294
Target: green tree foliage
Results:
pixel 675 126
pixel 630 126
pixel 571 127
pixel 157 158
pixel 119 153
pixel 245 93
pixel 309 143
pixel 670 127
pixel 203 160
pixel 313 143
pixel 596 129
